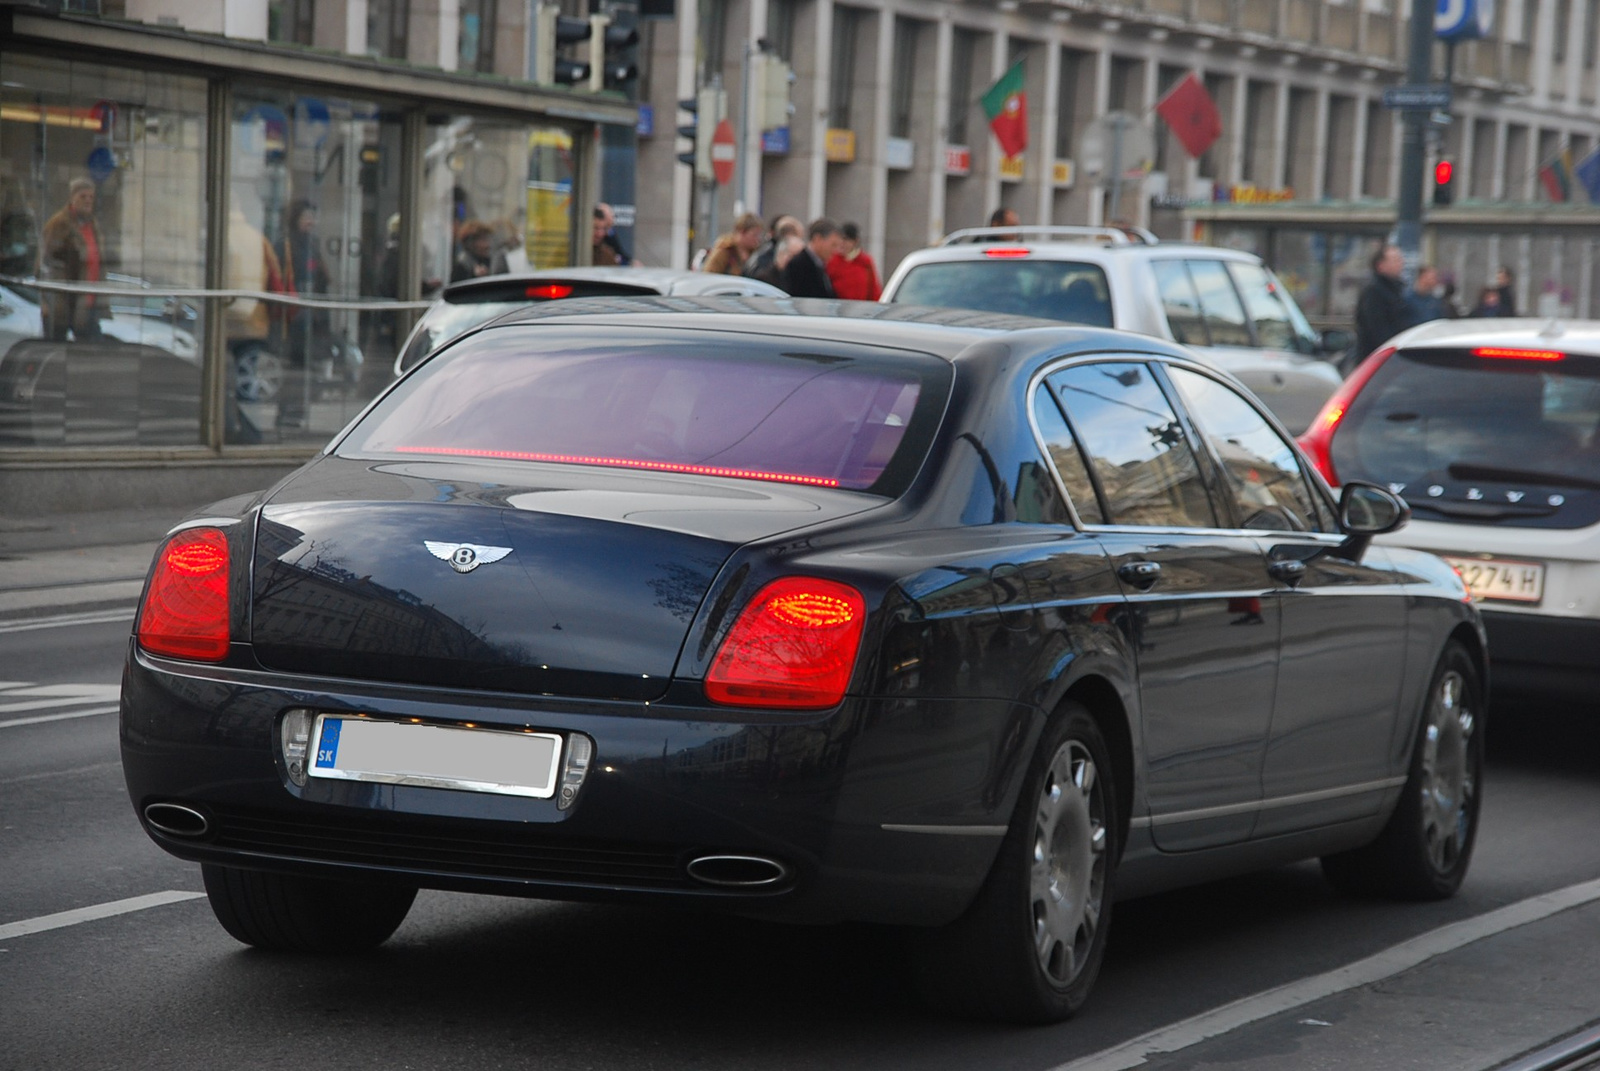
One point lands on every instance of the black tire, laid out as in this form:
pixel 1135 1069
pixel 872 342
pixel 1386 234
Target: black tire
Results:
pixel 290 913
pixel 1426 846
pixel 1052 878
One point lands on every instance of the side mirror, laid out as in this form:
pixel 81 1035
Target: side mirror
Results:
pixel 1367 510
pixel 1335 340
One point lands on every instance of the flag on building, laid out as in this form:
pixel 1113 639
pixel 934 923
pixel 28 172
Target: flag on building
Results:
pixel 1556 176
pixel 1588 173
pixel 1191 114
pixel 1006 105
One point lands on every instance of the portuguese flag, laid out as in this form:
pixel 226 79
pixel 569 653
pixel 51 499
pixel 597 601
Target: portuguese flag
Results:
pixel 1006 105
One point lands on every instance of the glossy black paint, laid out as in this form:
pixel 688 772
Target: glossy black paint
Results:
pixel 986 605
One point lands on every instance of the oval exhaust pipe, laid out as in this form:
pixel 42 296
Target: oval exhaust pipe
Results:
pixel 176 820
pixel 737 871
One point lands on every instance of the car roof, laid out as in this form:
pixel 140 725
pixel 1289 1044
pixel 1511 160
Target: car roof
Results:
pixel 943 332
pixel 1086 244
pixel 635 280
pixel 1530 332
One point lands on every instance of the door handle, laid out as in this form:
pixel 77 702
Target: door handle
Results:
pixel 1290 571
pixel 1141 575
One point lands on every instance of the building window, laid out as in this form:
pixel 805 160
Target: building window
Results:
pixel 842 79
pixel 962 48
pixel 713 39
pixel 477 36
pixel 1067 103
pixel 291 22
pixel 1530 20
pixel 902 91
pixel 387 26
pixel 780 27
pixel 1591 33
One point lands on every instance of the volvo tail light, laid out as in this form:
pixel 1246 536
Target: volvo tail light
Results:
pixel 185 612
pixel 1505 353
pixel 1317 440
pixel 794 646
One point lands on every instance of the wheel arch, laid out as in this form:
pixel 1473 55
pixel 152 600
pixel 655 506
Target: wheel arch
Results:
pixel 1100 697
pixel 1472 640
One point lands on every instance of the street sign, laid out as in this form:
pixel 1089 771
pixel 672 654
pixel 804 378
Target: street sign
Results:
pixel 1118 142
pixel 1463 20
pixel 724 153
pixel 1417 98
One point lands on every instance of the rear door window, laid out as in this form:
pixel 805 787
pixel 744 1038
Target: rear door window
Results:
pixel 1137 449
pixel 1272 312
pixel 1225 318
pixel 1180 302
pixel 1022 286
pixel 1067 458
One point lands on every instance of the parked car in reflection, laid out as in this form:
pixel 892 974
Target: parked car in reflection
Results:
pixel 471 302
pixel 812 611
pixel 1491 429
pixel 1223 303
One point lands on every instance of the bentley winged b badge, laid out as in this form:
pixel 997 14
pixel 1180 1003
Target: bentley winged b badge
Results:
pixel 465 557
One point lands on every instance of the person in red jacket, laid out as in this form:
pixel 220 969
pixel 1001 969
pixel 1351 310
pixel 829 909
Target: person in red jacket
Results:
pixel 852 272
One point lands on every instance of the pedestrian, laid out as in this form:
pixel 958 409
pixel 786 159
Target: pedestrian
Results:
pixel 806 274
pixel 851 271
pixel 1004 217
pixel 70 251
pixel 1488 303
pixel 607 248
pixel 309 338
pixel 1382 310
pixel 1424 300
pixel 1504 282
pixel 476 258
pixel 1452 311
pixel 762 264
pixel 733 249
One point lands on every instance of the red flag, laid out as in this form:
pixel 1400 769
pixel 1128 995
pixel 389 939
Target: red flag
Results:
pixel 1192 115
pixel 1006 105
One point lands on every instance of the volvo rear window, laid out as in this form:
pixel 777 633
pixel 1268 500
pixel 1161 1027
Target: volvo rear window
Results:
pixel 1054 289
pixel 718 405
pixel 1461 421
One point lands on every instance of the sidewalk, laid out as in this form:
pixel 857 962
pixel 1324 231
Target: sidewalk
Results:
pixel 74 561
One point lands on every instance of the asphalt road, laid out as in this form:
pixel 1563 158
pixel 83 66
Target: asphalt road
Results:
pixel 480 982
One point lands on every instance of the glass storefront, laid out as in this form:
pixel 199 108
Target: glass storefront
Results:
pixel 102 188
pixel 103 270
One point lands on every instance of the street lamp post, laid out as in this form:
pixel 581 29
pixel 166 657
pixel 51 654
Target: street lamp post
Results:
pixel 1419 67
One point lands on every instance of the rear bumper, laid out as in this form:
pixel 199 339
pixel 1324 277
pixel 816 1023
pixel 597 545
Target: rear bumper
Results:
pixel 666 786
pixel 1541 654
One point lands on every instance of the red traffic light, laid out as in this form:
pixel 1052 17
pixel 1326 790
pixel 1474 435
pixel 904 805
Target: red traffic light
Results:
pixel 1442 172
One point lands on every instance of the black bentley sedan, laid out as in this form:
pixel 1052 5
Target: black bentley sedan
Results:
pixel 819 612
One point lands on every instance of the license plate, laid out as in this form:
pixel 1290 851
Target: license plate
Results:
pixel 436 756
pixel 1499 580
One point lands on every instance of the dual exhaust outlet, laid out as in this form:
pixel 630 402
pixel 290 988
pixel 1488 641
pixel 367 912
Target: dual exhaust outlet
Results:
pixel 720 871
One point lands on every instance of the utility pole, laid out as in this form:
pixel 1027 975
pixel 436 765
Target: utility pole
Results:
pixel 1419 71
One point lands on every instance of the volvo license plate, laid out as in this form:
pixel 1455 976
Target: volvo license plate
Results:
pixel 506 762
pixel 1501 580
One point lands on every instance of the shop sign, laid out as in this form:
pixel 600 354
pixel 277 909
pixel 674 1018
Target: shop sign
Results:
pixel 1061 174
pixel 839 146
pixel 957 160
pixel 1252 195
pixel 899 154
pixel 1011 168
pixel 775 142
pixel 646 127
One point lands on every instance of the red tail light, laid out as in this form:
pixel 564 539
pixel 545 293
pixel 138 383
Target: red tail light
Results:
pixel 794 646
pixel 550 291
pixel 185 612
pixel 1007 252
pixel 1501 353
pixel 1317 440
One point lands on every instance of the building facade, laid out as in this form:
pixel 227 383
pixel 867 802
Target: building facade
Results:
pixel 887 129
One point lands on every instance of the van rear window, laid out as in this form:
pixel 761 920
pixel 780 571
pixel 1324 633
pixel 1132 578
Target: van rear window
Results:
pixel 1053 289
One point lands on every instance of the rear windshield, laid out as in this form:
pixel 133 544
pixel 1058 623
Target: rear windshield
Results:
pixel 742 407
pixel 1442 417
pixel 1054 289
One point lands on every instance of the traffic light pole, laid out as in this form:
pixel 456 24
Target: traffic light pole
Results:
pixel 1419 65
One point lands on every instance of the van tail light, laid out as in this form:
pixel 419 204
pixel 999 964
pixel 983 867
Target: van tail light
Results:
pixel 1317 440
pixel 794 646
pixel 185 611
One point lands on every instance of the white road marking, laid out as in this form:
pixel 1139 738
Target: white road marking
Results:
pixel 94 617
pixel 39 719
pixel 60 695
pixel 1385 964
pixel 9 930
pixel 56 775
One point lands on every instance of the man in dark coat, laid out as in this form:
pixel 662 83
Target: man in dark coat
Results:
pixel 1382 310
pixel 806 274
pixel 70 250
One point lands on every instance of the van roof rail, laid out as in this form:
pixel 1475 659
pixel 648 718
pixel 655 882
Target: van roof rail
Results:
pixel 1059 233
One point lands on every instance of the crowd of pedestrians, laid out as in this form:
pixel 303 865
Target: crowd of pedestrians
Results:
pixel 1385 307
pixel 824 260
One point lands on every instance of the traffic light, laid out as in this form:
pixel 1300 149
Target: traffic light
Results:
pixel 611 63
pixel 772 77
pixel 1443 190
pixel 707 109
pixel 554 31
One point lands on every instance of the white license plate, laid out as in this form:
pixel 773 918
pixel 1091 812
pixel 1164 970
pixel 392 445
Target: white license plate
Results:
pixel 1500 580
pixel 435 756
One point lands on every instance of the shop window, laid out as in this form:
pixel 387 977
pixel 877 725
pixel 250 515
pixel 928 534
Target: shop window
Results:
pixel 314 216
pixel 102 207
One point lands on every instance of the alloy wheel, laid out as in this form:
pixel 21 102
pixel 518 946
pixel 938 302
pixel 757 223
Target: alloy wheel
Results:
pixel 1069 863
pixel 1448 779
